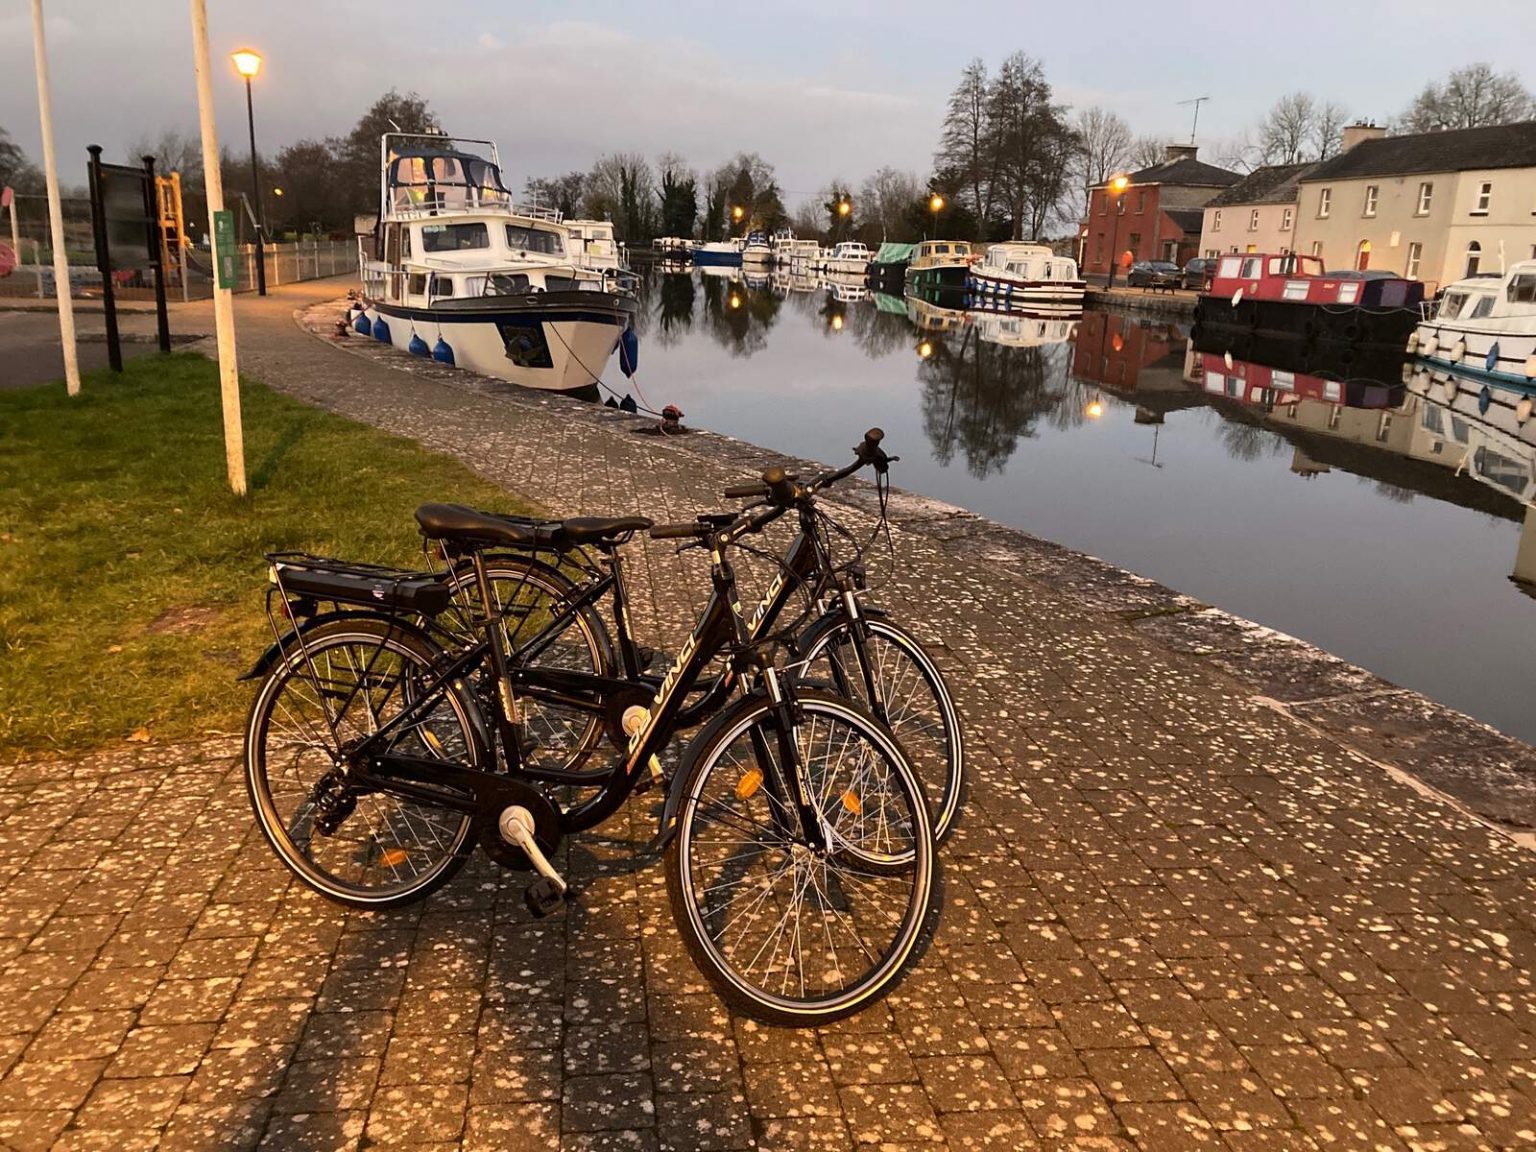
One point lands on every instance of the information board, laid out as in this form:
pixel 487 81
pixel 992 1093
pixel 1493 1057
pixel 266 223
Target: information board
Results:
pixel 224 254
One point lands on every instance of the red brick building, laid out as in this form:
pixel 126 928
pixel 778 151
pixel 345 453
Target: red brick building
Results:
pixel 1157 217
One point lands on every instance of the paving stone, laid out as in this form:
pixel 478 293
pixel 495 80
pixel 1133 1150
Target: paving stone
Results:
pixel 1158 888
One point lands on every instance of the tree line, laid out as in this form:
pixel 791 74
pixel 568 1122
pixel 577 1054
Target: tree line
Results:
pixel 1011 163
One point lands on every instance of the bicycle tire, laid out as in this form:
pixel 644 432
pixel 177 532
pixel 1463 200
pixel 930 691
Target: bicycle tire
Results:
pixel 880 803
pixel 938 758
pixel 561 738
pixel 392 829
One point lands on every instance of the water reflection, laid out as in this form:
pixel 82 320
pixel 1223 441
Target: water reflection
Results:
pixel 1371 509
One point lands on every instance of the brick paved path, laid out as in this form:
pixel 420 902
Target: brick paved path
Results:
pixel 1176 915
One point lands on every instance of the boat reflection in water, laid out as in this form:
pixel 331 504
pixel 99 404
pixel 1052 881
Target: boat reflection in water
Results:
pixel 1434 432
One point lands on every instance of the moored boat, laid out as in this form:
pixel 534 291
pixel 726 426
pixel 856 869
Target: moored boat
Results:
pixel 718 254
pixel 1289 295
pixel 887 271
pixel 1026 273
pixel 460 273
pixel 847 257
pixel 939 264
pixel 1485 326
pixel 756 250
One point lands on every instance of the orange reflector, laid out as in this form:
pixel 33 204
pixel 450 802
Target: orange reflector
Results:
pixel 749 783
pixel 852 803
pixel 393 857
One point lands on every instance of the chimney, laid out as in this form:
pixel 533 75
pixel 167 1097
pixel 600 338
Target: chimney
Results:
pixel 1181 152
pixel 1356 133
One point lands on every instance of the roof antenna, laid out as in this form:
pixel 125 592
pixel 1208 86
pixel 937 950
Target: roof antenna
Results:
pixel 1197 101
pixel 393 125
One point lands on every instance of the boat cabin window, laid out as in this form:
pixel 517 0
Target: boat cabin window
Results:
pixel 416 283
pixel 454 237
pixel 560 284
pixel 442 286
pixel 521 239
pixel 1483 307
pixel 444 180
pixel 392 244
pixel 940 249
pixel 1451 306
pixel 1230 268
pixel 507 284
pixel 1522 288
pixel 1252 267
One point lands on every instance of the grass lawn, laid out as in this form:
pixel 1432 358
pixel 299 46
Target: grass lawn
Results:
pixel 131 580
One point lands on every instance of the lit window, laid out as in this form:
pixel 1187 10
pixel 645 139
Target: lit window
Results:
pixel 1484 195
pixel 1426 197
pixel 1415 252
pixel 1324 202
pixel 1370 200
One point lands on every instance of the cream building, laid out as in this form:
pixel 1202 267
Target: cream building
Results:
pixel 1435 206
pixel 1256 215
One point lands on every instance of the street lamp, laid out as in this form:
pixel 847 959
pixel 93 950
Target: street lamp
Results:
pixel 248 63
pixel 737 212
pixel 1117 186
pixel 936 205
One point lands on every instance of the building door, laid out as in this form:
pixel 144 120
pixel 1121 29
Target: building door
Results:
pixel 1474 257
pixel 1363 256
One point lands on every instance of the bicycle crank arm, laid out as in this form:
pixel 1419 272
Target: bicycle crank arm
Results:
pixel 548 893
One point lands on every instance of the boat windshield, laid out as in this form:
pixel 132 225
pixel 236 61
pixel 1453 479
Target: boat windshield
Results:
pixel 524 239
pixel 442 181
pixel 454 237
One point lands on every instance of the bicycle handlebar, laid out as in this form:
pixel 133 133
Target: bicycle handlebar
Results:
pixel 690 531
pixel 779 486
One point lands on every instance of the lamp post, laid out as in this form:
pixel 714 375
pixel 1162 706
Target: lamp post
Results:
pixel 936 205
pixel 844 210
pixel 248 63
pixel 737 212
pixel 1118 186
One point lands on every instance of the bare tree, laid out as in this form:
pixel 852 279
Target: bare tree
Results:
pixel 964 146
pixel 1327 129
pixel 1286 132
pixel 173 152
pixel 1235 153
pixel 1147 151
pixel 1106 144
pixel 883 203
pixel 1470 97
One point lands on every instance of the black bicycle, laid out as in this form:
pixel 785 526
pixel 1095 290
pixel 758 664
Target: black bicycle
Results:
pixel 798 846
pixel 550 618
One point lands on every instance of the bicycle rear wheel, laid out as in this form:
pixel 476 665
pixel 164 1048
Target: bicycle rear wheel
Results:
pixel 910 697
pixel 788 933
pixel 363 848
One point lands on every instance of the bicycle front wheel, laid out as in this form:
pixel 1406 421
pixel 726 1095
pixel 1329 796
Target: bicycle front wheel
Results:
pixel 344 682
pixel 909 696
pixel 788 932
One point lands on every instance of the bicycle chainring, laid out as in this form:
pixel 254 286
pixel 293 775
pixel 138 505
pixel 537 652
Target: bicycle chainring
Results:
pixel 493 798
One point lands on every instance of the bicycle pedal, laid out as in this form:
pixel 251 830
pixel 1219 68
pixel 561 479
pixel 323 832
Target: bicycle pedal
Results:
pixel 544 896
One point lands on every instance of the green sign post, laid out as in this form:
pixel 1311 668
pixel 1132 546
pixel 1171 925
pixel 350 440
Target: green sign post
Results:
pixel 224 249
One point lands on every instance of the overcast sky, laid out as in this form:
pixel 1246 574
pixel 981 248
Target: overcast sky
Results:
pixel 834 88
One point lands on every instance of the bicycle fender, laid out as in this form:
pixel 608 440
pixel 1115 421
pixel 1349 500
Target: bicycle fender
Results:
pixel 673 807
pixel 825 622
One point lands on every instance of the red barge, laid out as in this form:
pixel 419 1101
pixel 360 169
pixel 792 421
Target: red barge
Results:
pixel 1290 296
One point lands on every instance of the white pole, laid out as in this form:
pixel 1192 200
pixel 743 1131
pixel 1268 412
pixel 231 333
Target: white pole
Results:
pixel 223 300
pixel 15 230
pixel 61 285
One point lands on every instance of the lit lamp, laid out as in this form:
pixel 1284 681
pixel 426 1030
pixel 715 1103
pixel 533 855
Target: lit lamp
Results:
pixel 737 212
pixel 924 350
pixel 936 205
pixel 1116 188
pixel 844 210
pixel 735 300
pixel 1095 408
pixel 248 64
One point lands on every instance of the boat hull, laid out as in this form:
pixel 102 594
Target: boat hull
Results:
pixel 1309 323
pixel 938 277
pixel 549 341
pixel 1501 357
pixel 703 258
pixel 1027 291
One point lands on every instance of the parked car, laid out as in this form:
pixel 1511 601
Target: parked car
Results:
pixel 1153 274
pixel 1198 273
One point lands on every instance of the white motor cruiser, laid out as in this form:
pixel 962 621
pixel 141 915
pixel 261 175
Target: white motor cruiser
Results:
pixel 457 272
pixel 1484 326
pixel 1026 274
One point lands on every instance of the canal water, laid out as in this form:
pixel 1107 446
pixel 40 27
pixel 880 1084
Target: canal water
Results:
pixel 1377 520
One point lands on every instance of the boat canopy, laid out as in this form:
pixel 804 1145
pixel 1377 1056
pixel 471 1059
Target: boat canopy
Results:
pixel 421 179
pixel 895 253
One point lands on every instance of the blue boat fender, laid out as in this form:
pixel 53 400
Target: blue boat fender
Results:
pixel 629 351
pixel 361 324
pixel 381 330
pixel 442 352
pixel 417 346
pixel 1491 362
pixel 1484 400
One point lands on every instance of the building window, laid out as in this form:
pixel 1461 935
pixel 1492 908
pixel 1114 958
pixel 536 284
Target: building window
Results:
pixel 1285 220
pixel 1253 220
pixel 1324 202
pixel 1216 221
pixel 1474 257
pixel 1141 202
pixel 1370 200
pixel 1415 253
pixel 1426 197
pixel 1317 249
pixel 1484 195
pixel 1103 204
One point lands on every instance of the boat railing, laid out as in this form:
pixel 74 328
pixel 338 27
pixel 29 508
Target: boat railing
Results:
pixel 409 202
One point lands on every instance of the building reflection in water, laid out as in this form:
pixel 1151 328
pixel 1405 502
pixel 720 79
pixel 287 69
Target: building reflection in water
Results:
pixel 1433 433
